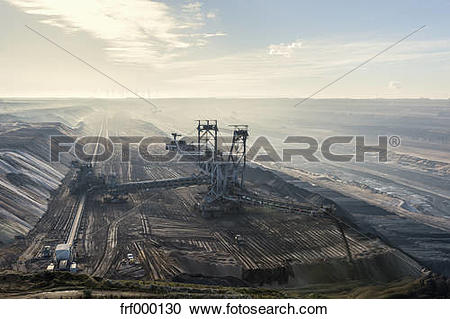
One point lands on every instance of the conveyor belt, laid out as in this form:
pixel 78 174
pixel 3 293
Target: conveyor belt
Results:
pixel 133 187
pixel 298 208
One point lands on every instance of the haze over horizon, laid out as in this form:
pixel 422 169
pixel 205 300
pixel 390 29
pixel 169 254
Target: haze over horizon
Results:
pixel 232 49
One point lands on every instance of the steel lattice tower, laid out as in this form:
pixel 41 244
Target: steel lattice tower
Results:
pixel 226 172
pixel 238 153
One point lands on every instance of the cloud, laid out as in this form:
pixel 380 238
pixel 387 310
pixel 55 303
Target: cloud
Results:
pixel 192 7
pixel 194 10
pixel 211 15
pixel 202 38
pixel 141 31
pixel 395 85
pixel 210 35
pixel 285 50
pixel 253 72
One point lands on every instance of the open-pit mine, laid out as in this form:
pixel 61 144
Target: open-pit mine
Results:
pixel 207 217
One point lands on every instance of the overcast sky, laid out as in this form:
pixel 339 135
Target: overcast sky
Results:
pixel 225 48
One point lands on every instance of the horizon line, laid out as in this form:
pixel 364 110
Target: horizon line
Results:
pixel 224 97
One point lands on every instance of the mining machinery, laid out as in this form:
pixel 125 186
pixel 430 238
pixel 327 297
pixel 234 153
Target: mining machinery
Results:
pixel 222 171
